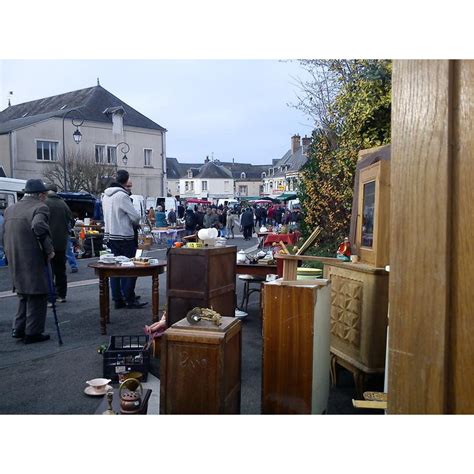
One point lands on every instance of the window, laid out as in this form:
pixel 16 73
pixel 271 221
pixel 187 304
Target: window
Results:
pixel 147 154
pixel 111 155
pixel 46 150
pixel 226 186
pixel 190 174
pixel 368 214
pixel 242 175
pixel 264 175
pixel 204 185
pixel 100 153
pixel 243 190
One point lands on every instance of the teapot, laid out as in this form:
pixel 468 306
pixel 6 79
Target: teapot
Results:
pixel 130 393
pixel 241 256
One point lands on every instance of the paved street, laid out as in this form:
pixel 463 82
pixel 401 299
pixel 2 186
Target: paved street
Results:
pixel 48 378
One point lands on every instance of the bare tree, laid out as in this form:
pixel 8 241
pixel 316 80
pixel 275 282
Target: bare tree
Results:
pixel 83 173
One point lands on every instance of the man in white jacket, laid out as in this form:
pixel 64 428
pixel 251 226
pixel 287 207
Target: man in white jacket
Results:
pixel 120 217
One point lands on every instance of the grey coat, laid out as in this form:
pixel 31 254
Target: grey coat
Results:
pixel 27 241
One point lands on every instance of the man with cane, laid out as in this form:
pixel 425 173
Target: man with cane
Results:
pixel 26 226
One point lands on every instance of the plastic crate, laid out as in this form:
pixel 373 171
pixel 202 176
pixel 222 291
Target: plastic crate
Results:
pixel 127 354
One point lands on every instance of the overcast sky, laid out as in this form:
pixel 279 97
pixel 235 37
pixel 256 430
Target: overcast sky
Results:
pixel 231 108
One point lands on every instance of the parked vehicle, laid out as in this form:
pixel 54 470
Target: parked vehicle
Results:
pixel 167 203
pixel 139 204
pixel 11 191
pixel 82 205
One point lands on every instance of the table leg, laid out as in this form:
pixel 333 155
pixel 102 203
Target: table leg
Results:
pixel 104 306
pixel 107 296
pixel 155 288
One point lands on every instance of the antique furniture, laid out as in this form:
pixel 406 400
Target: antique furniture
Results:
pixel 105 271
pixel 295 347
pixel 373 214
pixel 200 277
pixel 359 308
pixel 201 368
pixel 255 269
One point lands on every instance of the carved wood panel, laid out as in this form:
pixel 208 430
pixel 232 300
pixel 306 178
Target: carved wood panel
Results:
pixel 346 309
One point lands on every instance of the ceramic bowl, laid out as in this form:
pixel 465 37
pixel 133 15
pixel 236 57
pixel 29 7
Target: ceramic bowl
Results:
pixel 98 384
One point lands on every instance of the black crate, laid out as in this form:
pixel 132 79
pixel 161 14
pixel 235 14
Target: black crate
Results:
pixel 127 354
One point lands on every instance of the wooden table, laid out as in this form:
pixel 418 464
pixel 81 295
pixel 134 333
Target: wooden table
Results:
pixel 255 269
pixel 105 271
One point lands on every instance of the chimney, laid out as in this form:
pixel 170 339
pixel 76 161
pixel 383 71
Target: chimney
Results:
pixel 306 144
pixel 295 143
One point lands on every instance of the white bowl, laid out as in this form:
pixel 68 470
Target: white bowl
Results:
pixel 98 384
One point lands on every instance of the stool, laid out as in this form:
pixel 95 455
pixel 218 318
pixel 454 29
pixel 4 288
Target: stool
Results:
pixel 248 280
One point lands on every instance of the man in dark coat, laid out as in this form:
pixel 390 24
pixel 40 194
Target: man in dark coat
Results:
pixel 60 220
pixel 246 222
pixel 28 245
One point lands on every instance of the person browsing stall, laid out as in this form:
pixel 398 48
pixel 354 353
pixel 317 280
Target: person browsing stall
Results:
pixel 120 218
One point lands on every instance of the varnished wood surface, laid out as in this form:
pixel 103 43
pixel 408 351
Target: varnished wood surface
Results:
pixel 460 392
pixel 288 314
pixel 421 220
pixel 107 271
pixel 255 269
pixel 200 277
pixel 201 368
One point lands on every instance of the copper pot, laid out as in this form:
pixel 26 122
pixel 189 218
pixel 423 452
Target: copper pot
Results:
pixel 130 393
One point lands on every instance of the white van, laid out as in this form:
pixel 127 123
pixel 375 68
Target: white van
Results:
pixel 139 204
pixel 167 203
pixel 11 191
pixel 230 202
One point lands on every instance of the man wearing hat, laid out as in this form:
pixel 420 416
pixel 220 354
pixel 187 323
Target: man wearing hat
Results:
pixel 28 245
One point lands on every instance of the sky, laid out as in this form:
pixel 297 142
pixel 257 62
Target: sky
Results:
pixel 221 108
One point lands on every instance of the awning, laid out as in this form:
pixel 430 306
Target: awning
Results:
pixel 197 201
pixel 287 196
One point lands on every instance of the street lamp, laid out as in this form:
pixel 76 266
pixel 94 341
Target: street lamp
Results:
pixel 77 135
pixel 125 149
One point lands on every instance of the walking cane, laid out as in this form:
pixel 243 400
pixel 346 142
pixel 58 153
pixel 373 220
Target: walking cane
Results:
pixel 52 299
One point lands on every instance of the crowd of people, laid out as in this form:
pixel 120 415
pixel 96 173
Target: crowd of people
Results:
pixel 247 219
pixel 35 235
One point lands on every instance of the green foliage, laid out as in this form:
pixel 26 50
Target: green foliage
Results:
pixel 358 118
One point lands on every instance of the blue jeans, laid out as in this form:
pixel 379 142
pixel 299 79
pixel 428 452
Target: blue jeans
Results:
pixel 123 287
pixel 71 258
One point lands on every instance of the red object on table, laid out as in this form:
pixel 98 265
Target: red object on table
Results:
pixel 285 238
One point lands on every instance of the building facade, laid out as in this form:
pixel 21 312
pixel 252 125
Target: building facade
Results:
pixel 214 179
pixel 31 137
pixel 284 174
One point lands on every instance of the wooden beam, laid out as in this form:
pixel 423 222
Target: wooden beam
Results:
pixel 420 241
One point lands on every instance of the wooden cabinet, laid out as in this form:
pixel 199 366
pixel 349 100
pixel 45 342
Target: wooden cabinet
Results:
pixel 200 277
pixel 201 368
pixel 373 215
pixel 295 347
pixel 359 307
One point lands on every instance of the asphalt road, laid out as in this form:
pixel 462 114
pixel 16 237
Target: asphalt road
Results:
pixel 46 378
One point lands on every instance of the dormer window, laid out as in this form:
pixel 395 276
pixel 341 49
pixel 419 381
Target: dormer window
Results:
pixel 242 175
pixel 190 174
pixel 264 175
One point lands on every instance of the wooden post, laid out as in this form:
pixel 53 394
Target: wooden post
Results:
pixel 431 354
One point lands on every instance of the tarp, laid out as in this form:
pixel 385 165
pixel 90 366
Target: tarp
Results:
pixel 198 201
pixel 286 196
